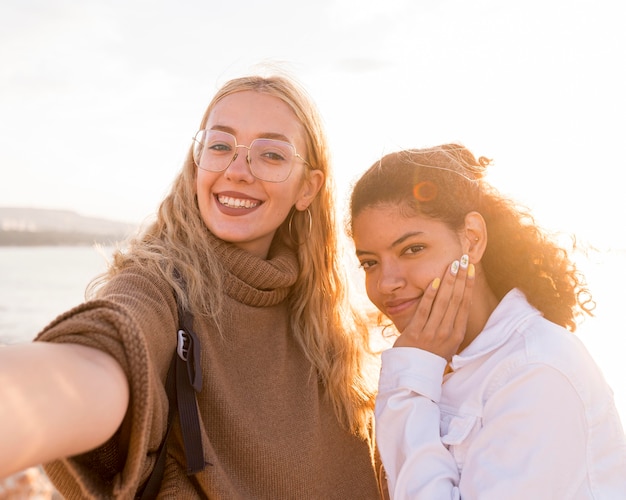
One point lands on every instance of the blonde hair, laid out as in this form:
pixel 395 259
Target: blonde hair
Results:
pixel 330 332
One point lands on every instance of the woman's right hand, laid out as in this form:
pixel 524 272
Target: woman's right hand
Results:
pixel 440 321
pixel 56 400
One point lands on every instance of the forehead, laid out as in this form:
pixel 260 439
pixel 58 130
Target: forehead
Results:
pixel 382 224
pixel 249 114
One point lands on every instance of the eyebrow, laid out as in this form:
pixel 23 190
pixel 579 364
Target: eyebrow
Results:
pixel 263 135
pixel 397 242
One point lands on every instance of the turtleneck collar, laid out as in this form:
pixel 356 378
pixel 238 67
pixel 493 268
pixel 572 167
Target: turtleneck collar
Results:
pixel 254 281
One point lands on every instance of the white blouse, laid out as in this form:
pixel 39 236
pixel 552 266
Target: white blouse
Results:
pixel 525 413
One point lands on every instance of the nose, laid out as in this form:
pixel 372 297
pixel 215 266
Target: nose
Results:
pixel 239 167
pixel 390 279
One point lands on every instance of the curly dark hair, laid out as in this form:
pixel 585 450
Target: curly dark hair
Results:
pixel 446 183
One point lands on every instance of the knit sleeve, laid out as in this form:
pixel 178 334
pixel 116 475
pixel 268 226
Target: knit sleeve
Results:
pixel 134 320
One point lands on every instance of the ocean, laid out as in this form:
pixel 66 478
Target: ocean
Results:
pixel 39 283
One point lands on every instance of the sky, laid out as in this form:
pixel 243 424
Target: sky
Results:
pixel 99 99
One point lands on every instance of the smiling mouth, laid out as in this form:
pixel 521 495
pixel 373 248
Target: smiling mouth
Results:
pixel 399 306
pixel 230 202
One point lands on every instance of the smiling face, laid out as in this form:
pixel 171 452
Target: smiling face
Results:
pixel 401 256
pixel 236 206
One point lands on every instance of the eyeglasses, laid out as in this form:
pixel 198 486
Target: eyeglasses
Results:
pixel 269 159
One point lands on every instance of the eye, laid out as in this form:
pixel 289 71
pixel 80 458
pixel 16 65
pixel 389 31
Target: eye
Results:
pixel 367 264
pixel 273 156
pixel 219 147
pixel 414 249
pixel 271 151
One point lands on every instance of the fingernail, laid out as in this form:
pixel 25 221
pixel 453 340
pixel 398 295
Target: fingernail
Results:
pixel 454 268
pixel 471 271
pixel 436 283
pixel 464 261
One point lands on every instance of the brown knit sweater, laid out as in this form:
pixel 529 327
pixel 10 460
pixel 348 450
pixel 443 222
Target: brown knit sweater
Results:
pixel 268 429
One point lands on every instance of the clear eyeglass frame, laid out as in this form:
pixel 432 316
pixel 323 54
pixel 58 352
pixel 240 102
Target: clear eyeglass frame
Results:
pixel 269 160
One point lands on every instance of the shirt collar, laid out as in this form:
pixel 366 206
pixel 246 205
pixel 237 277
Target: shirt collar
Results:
pixel 511 312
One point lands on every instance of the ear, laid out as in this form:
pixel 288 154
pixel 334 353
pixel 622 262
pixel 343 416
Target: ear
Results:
pixel 474 236
pixel 311 185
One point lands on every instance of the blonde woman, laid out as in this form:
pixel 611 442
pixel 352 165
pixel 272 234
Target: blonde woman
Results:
pixel 245 242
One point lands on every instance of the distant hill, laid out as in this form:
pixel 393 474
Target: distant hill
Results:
pixel 36 226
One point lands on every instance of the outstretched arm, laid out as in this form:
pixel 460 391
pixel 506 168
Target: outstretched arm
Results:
pixel 56 400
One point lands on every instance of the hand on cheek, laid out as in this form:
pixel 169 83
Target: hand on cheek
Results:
pixel 440 321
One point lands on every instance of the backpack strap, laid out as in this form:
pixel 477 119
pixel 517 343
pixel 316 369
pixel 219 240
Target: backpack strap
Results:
pixel 188 383
pixel 184 379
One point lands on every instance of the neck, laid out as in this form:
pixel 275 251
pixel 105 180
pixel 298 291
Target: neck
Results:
pixel 484 302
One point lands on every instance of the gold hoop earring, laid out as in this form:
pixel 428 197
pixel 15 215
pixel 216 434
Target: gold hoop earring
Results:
pixel 310 217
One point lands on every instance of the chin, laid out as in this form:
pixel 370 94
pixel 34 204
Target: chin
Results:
pixel 398 324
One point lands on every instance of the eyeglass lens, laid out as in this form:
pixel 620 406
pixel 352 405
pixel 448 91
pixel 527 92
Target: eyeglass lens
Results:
pixel 269 159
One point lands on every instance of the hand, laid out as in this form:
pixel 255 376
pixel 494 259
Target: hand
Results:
pixel 440 321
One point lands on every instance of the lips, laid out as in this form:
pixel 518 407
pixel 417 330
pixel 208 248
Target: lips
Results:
pixel 232 202
pixel 398 306
pixel 236 201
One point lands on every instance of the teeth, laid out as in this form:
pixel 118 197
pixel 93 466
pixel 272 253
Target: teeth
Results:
pixel 237 203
